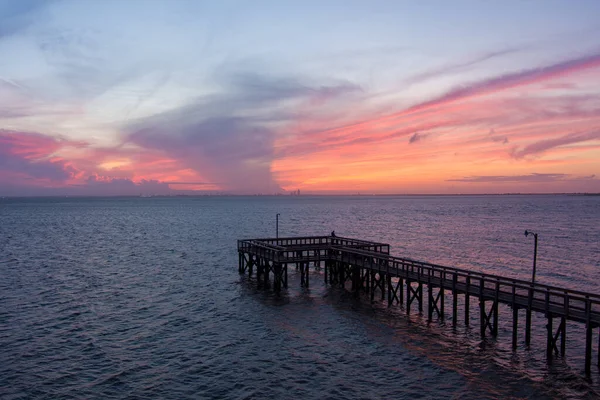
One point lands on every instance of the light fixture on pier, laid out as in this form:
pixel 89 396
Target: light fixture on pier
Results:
pixel 535 238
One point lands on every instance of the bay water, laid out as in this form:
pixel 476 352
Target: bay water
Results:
pixel 141 298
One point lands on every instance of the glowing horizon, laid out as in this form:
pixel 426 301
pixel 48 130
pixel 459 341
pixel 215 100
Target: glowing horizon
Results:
pixel 179 100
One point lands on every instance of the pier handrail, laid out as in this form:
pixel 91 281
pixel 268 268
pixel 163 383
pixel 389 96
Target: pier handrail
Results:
pixel 328 238
pixel 513 282
pixel 369 266
pixel 261 244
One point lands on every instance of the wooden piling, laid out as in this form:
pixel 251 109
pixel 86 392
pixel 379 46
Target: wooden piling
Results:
pixel 515 325
pixel 588 348
pixel 369 267
pixel 549 337
pixel 454 300
pixel 528 318
pixel 467 301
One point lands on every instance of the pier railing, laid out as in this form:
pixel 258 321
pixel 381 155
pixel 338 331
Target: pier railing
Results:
pixel 573 304
pixel 370 267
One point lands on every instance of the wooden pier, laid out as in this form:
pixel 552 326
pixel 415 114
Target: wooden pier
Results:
pixel 369 267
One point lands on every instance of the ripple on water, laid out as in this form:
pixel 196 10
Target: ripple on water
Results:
pixel 140 298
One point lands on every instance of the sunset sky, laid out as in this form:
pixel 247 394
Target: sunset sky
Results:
pixel 158 97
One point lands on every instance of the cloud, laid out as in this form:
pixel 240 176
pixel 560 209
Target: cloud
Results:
pixel 511 113
pixel 511 80
pixel 17 15
pixel 459 66
pixel 93 186
pixel 99 186
pixel 497 138
pixel 548 144
pixel 417 137
pixel 230 138
pixel 534 177
pixel 29 155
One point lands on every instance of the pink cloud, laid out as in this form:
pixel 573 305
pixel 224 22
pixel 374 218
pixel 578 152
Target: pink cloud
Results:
pixel 548 144
pixel 29 155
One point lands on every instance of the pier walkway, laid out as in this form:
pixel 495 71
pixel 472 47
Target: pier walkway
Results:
pixel 369 267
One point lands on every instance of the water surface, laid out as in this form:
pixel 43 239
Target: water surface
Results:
pixel 141 298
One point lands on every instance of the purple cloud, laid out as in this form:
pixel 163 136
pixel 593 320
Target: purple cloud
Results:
pixel 497 138
pixel 460 66
pixel 26 154
pixel 544 145
pixel 417 137
pixel 534 177
pixel 93 186
pixel 230 138
pixel 511 80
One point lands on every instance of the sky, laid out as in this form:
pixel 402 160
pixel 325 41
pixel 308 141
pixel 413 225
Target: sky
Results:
pixel 169 97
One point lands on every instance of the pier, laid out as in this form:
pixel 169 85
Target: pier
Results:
pixel 369 267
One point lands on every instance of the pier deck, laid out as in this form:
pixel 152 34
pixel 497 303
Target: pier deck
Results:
pixel 370 267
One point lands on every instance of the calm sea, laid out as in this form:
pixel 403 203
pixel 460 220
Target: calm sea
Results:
pixel 141 298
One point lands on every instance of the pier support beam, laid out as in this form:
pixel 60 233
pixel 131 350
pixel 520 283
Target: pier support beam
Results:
pixel 454 300
pixel 515 325
pixel 266 269
pixel 467 302
pixel 378 282
pixel 395 292
pixel 552 337
pixel 436 303
pixel 412 294
pixel 488 320
pixel 588 348
pixel 369 267
pixel 304 281
pixel 279 279
pixel 528 319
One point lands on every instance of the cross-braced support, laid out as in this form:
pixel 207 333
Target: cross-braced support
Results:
pixel 589 330
pixel 304 281
pixel 552 337
pixel 489 320
pixel 515 326
pixel 435 303
pixel 265 269
pixel 412 294
pixel 377 282
pixel 242 263
pixel 454 300
pixel 395 292
pixel 365 276
pixel 345 274
pixel 528 318
pixel 246 263
pixel 356 279
pixel 370 267
pixel 333 273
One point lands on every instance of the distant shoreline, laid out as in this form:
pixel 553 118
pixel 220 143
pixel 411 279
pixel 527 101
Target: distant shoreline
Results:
pixel 296 196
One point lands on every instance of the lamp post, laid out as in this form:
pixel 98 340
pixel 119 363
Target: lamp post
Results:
pixel 277 226
pixel 535 239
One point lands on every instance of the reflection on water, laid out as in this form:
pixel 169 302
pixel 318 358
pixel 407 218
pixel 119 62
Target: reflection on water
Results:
pixel 104 298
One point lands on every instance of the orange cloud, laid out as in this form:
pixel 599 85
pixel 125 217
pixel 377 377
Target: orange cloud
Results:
pixel 492 125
